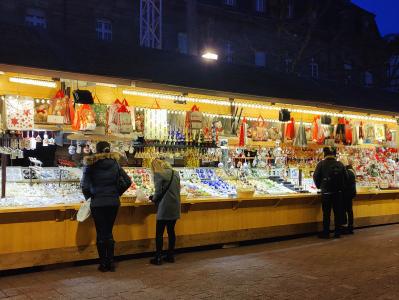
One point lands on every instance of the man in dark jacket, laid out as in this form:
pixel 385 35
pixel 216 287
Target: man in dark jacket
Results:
pixel 331 177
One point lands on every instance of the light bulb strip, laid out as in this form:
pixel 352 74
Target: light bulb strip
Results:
pixel 36 82
pixel 254 106
pixel 183 112
pixel 110 85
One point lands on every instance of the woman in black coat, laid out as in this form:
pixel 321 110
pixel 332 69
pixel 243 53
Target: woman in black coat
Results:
pixel 100 183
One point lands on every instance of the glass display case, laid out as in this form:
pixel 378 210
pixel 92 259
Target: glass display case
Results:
pixel 39 187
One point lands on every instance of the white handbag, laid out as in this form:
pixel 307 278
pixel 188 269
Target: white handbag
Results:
pixel 84 211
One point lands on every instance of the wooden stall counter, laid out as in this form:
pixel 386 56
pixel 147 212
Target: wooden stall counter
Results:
pixel 47 235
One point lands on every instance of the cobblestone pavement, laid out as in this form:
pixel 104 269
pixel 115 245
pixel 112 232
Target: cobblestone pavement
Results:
pixel 363 266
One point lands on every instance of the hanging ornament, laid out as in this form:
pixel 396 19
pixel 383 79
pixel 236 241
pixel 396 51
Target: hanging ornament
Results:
pixel 241 141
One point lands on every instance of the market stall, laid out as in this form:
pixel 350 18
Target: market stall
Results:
pixel 245 166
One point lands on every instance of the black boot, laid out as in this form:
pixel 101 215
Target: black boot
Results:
pixel 170 256
pixel 110 246
pixel 337 233
pixel 324 235
pixel 102 253
pixel 157 260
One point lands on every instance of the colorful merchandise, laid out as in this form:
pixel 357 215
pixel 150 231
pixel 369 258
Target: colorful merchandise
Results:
pixel 19 113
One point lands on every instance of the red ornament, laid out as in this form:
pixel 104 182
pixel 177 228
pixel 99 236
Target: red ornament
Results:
pixel 14 121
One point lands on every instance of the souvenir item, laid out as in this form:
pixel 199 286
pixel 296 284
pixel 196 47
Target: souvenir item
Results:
pixel 93 148
pixel 51 141
pixel 38 138
pixel 284 115
pixel 100 111
pixel 300 138
pixel 361 133
pixel 19 113
pixel 290 130
pixel 84 118
pixel 41 110
pixel 86 149
pixel 72 150
pixel 369 133
pixel 45 140
pixel 124 118
pixel 78 148
pixel 355 135
pixel 155 124
pixel 379 132
pixel 26 141
pixel 58 109
pixel 259 130
pixel 316 128
pixel 83 97
pixel 195 118
pixel 340 131
pixel 388 133
pixel 348 133
pixel 326 120
pixel 139 121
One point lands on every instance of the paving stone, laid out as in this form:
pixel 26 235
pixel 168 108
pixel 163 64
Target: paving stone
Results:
pixel 363 266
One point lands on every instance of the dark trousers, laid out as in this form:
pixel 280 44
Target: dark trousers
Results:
pixel 334 202
pixel 349 210
pixel 104 219
pixel 170 227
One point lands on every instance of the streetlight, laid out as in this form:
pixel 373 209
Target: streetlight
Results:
pixel 210 55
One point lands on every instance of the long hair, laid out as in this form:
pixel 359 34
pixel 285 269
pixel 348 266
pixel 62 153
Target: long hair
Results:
pixel 159 166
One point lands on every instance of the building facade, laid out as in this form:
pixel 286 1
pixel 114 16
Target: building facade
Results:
pixel 332 40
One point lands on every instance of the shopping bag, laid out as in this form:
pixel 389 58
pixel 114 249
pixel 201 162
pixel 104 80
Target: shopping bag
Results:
pixel 112 117
pixel 41 111
pixel 84 118
pixel 194 118
pixel 19 113
pixel 58 109
pixel 124 118
pixel 290 130
pixel 259 131
pixel 101 114
pixel 84 211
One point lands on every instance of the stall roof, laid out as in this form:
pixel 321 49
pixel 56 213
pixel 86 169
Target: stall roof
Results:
pixel 37 49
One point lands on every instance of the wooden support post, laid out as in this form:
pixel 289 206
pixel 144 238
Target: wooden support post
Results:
pixel 4 162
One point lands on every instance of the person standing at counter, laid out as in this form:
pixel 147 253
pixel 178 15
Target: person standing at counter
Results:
pixel 104 181
pixel 331 178
pixel 349 195
pixel 167 201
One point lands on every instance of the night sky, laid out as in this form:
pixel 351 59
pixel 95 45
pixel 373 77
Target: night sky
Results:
pixel 387 12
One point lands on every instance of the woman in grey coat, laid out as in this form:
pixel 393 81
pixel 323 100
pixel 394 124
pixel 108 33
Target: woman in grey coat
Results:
pixel 167 201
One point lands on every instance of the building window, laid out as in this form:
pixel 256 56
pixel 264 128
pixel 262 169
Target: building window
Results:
pixel 229 51
pixel 104 30
pixel 314 69
pixel 393 73
pixel 288 64
pixel 260 59
pixel 290 9
pixel 368 78
pixel 260 5
pixel 36 18
pixel 182 42
pixel 348 67
pixel 230 2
